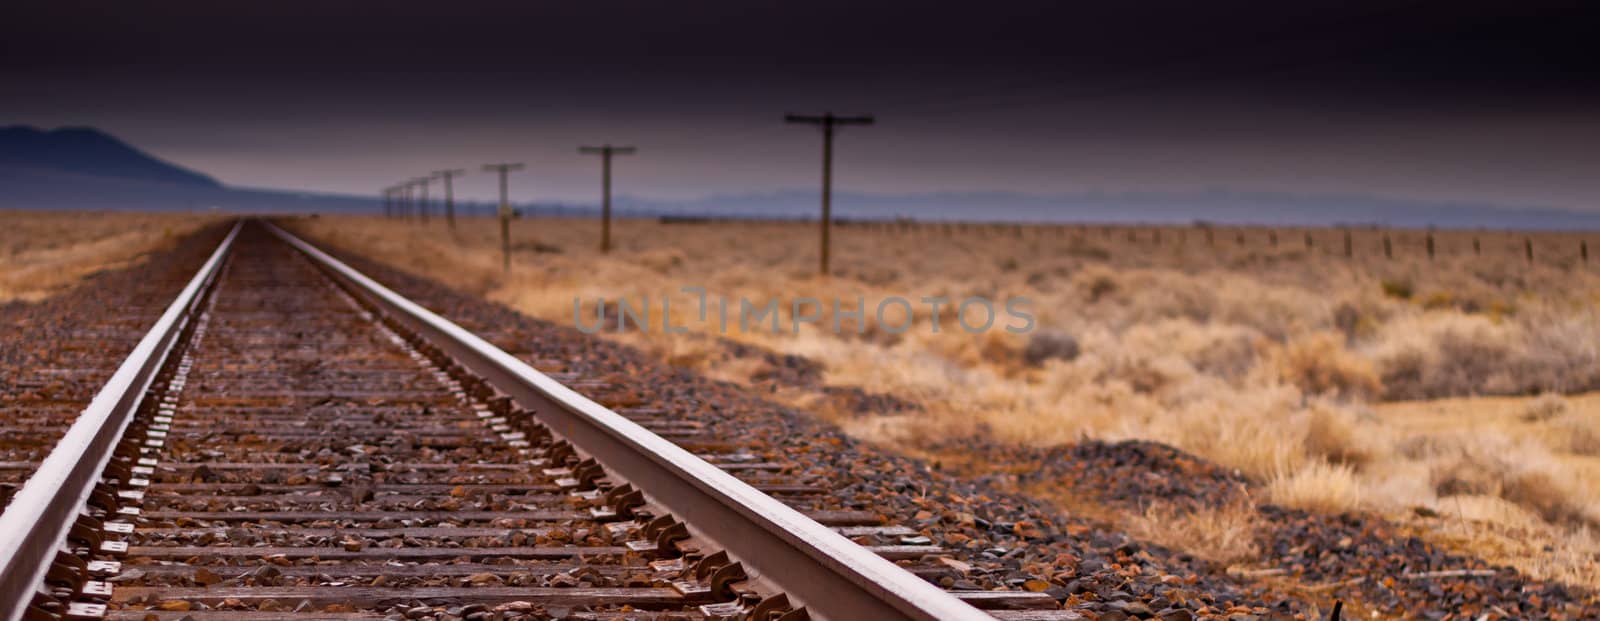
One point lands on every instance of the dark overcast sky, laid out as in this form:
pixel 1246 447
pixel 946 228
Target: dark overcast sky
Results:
pixel 1438 100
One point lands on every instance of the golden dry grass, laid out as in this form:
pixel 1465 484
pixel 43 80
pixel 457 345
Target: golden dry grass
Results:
pixel 1282 360
pixel 46 252
pixel 1225 535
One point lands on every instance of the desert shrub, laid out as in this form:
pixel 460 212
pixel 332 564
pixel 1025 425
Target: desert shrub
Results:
pixel 1230 354
pixel 1088 251
pixel 1549 495
pixel 1362 318
pixel 1101 286
pixel 1524 474
pixel 1147 375
pixel 1347 319
pixel 1225 534
pixel 1461 477
pixel 661 261
pixel 1577 434
pixel 1218 350
pixel 1559 352
pixel 1471 359
pixel 1401 374
pixel 1153 296
pixel 1331 434
pixel 1438 300
pixel 1046 345
pixel 536 247
pixel 1319 364
pixel 1318 486
pixel 1546 407
pixel 1399 289
pixel 1446 354
pixel 1275 312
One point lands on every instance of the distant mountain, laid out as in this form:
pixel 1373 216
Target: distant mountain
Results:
pixel 85 168
pixel 88 151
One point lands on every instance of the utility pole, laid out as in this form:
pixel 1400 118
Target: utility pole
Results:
pixel 505 212
pixel 405 204
pixel 449 197
pixel 422 209
pixel 605 152
pixel 827 121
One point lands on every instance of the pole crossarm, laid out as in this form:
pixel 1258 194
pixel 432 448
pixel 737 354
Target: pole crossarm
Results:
pixel 607 150
pixel 830 119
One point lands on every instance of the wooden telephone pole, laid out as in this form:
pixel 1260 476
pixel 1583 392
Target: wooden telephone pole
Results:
pixel 405 200
pixel 605 152
pixel 827 121
pixel 505 212
pixel 449 197
pixel 422 204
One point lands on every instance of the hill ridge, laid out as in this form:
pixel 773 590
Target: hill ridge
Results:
pixel 87 150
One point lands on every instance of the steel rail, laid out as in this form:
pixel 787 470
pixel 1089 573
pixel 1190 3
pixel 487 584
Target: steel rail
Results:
pixel 833 577
pixel 35 526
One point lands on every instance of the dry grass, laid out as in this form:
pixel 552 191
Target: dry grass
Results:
pixel 1224 535
pixel 49 251
pixel 1282 361
pixel 1317 486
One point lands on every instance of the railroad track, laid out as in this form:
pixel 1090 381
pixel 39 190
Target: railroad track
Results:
pixel 60 351
pixel 294 441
